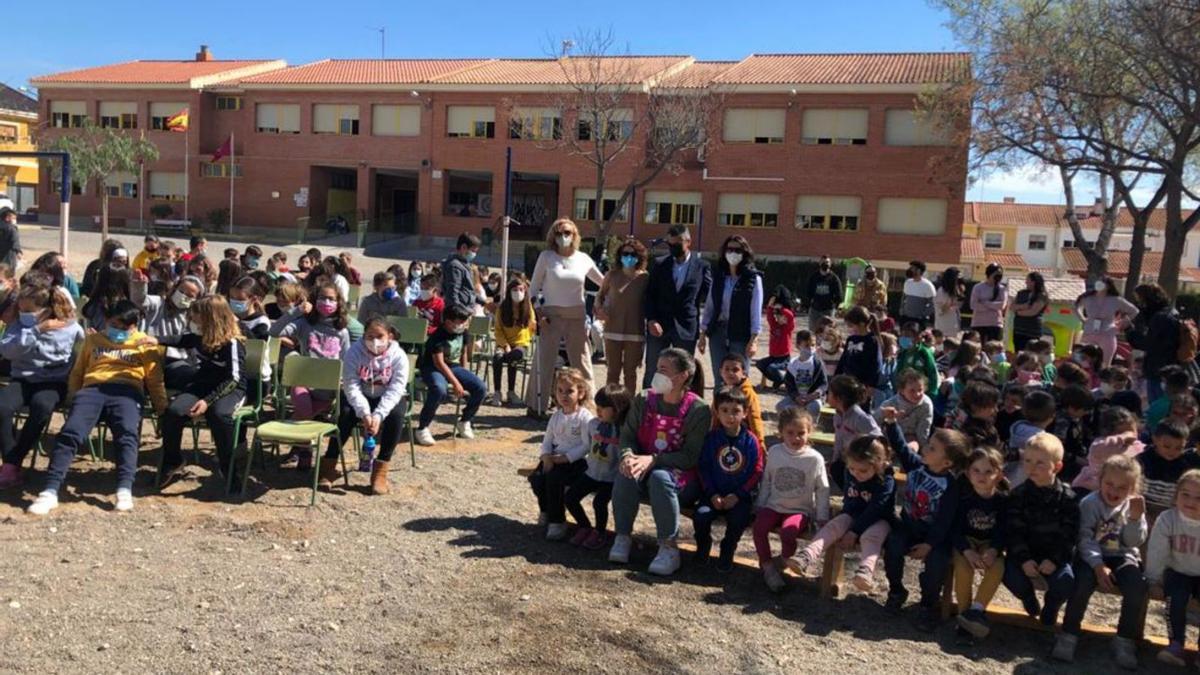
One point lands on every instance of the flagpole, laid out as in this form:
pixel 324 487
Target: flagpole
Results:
pixel 187 136
pixel 232 170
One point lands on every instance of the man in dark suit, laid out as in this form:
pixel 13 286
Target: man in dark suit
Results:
pixel 674 296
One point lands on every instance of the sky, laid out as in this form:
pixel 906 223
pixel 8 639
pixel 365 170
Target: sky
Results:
pixel 87 34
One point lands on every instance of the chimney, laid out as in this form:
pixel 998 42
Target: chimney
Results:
pixel 204 54
pixel 1010 200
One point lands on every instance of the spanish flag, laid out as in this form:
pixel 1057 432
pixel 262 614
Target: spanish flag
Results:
pixel 178 121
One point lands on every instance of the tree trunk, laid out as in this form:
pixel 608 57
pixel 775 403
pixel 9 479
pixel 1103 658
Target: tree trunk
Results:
pixel 1137 251
pixel 602 223
pixel 103 213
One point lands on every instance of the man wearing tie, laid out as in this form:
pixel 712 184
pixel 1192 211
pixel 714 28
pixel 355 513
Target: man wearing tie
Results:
pixel 674 296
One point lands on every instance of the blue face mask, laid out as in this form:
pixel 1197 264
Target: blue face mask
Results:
pixel 1000 358
pixel 471 255
pixel 251 262
pixel 905 342
pixel 629 261
pixel 388 293
pixel 117 335
pixel 238 306
pixel 29 319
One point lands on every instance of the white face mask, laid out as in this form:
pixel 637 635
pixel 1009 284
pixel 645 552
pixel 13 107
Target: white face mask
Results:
pixel 426 294
pixel 804 354
pixel 194 327
pixel 564 240
pixel 180 300
pixel 661 384
pixel 1107 389
pixel 733 258
pixel 377 346
pixel 1099 287
pixel 518 296
pixel 459 329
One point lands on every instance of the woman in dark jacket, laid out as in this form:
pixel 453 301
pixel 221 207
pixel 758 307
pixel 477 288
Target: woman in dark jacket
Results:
pixel 111 250
pixel 1155 331
pixel 732 317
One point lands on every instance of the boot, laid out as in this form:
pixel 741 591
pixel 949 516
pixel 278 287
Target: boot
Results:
pixel 327 473
pixel 379 478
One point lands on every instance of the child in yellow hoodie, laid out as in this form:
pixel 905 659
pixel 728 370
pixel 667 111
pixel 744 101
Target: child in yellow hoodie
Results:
pixel 733 374
pixel 109 381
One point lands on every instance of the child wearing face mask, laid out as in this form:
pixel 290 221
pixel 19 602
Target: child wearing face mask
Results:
pixel 108 382
pixel 804 378
pixel 429 302
pixel 387 300
pixel 166 316
pixel 830 351
pixel 374 379
pixel 916 355
pixel 443 367
pixel 245 300
pixel 781 323
pixel 38 342
pixel 291 303
pixel 514 328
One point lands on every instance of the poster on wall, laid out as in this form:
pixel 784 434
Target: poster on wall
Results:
pixel 301 197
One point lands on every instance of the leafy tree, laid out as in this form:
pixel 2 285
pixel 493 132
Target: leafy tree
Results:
pixel 97 153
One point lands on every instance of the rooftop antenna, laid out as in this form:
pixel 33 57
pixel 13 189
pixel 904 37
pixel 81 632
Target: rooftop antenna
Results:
pixel 566 46
pixel 382 30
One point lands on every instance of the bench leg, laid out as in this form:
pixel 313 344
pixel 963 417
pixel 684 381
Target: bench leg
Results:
pixel 947 604
pixel 831 572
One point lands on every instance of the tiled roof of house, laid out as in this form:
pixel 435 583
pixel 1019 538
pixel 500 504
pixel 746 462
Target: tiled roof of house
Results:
pixel 1118 264
pixel 904 68
pixel 617 69
pixel 996 214
pixel 187 73
pixel 365 71
pixel 1063 289
pixel 13 99
pixel 971 250
pixel 1009 261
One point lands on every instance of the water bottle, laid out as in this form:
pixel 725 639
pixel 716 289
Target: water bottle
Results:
pixel 367 458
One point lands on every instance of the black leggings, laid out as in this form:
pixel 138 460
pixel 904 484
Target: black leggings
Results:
pixel 42 398
pixel 389 431
pixel 219 417
pixel 583 486
pixel 550 487
pixel 510 358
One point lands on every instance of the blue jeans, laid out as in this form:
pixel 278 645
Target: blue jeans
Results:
pixel 719 345
pixel 437 389
pixel 120 406
pixel 1061 585
pixel 737 520
pixel 1178 590
pixel 655 345
pixel 774 368
pixel 933 574
pixel 1135 593
pixel 665 499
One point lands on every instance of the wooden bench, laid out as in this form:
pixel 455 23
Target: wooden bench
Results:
pixel 172 226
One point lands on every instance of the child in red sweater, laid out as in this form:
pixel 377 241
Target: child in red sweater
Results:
pixel 782 322
pixel 430 304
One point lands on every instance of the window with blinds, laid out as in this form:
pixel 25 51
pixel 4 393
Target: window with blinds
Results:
pixel 835 126
pixel 219 170
pixel 672 208
pixel 754 125
pixel 160 112
pixel 122 184
pixel 616 125
pixel 396 120
pixel 906 127
pixel 470 121
pixel 118 115
pixel 535 124
pixel 820 212
pixel 585 205
pixel 335 118
pixel 911 216
pixel 67 114
pixel 277 118
pixel 166 185
pixel 748 210
pixel 229 103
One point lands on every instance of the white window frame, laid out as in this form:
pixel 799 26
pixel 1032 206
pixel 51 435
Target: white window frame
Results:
pixel 1042 240
pixel 738 209
pixel 841 134
pixel 818 213
pixel 396 117
pixel 279 110
pixel 989 247
pixel 757 123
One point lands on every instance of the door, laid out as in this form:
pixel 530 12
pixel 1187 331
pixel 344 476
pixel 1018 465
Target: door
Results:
pixel 404 211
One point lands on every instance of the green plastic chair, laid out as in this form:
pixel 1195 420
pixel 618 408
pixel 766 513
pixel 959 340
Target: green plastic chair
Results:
pixel 410 403
pixel 315 374
pixel 355 294
pixel 410 332
pixel 480 329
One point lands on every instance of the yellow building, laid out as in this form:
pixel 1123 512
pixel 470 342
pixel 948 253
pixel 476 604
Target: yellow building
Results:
pixel 18 175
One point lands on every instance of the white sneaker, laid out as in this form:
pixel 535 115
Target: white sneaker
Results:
pixel 423 437
pixel 556 532
pixel 46 502
pixel 465 430
pixel 619 553
pixel 124 499
pixel 666 562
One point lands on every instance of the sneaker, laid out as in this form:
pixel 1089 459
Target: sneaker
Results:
pixel 46 502
pixel 170 474
pixel 725 563
pixel 800 562
pixel 666 562
pixel 963 638
pixel 1064 648
pixel 291 460
pixel 928 619
pixel 596 540
pixel 895 601
pixel 465 430
pixel 581 535
pixel 864 579
pixel 619 553
pixel 10 476
pixel 975 622
pixel 1172 655
pixel 492 399
pixel 773 578
pixel 1125 653
pixel 543 519
pixel 124 499
pixel 511 399
pixel 556 531
pixel 423 437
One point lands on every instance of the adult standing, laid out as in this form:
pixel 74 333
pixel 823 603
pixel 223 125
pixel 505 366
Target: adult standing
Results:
pixel 558 279
pixel 458 279
pixel 1100 309
pixel 10 239
pixel 732 317
pixel 824 292
pixel 1155 332
pixel 1030 305
pixel 675 292
pixel 916 304
pixel 621 305
pixel 947 303
pixel 989 299
pixel 660 446
pixel 871 292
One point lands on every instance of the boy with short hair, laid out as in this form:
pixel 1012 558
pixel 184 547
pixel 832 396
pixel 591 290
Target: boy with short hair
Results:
pixel 1044 351
pixel 979 403
pixel 914 409
pixel 149 252
pixel 232 254
pixel 444 368
pixel 1163 463
pixel 387 300
pixel 1175 381
pixel 730 468
pixel 1070 425
pixel 1037 414
pixel 804 378
pixel 997 359
pixel 733 374
pixel 429 303
pixel 1010 410
pixel 1042 527
pixel 108 382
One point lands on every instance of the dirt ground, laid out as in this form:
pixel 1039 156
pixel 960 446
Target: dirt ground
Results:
pixel 449 573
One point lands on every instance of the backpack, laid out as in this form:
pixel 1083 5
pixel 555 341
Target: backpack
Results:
pixel 1189 339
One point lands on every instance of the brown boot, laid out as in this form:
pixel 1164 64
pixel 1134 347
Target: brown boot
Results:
pixel 379 478
pixel 327 473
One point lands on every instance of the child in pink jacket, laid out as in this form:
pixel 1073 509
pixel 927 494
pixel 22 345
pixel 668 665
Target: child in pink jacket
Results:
pixel 1119 429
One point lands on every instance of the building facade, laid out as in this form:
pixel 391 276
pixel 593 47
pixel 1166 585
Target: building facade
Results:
pixel 807 154
pixel 18 175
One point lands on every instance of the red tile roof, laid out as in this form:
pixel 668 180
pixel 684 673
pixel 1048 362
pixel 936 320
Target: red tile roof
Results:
pixel 619 69
pixel 971 249
pixel 1118 265
pixel 985 214
pixel 365 71
pixel 698 74
pixel 1009 261
pixel 159 72
pixel 905 68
